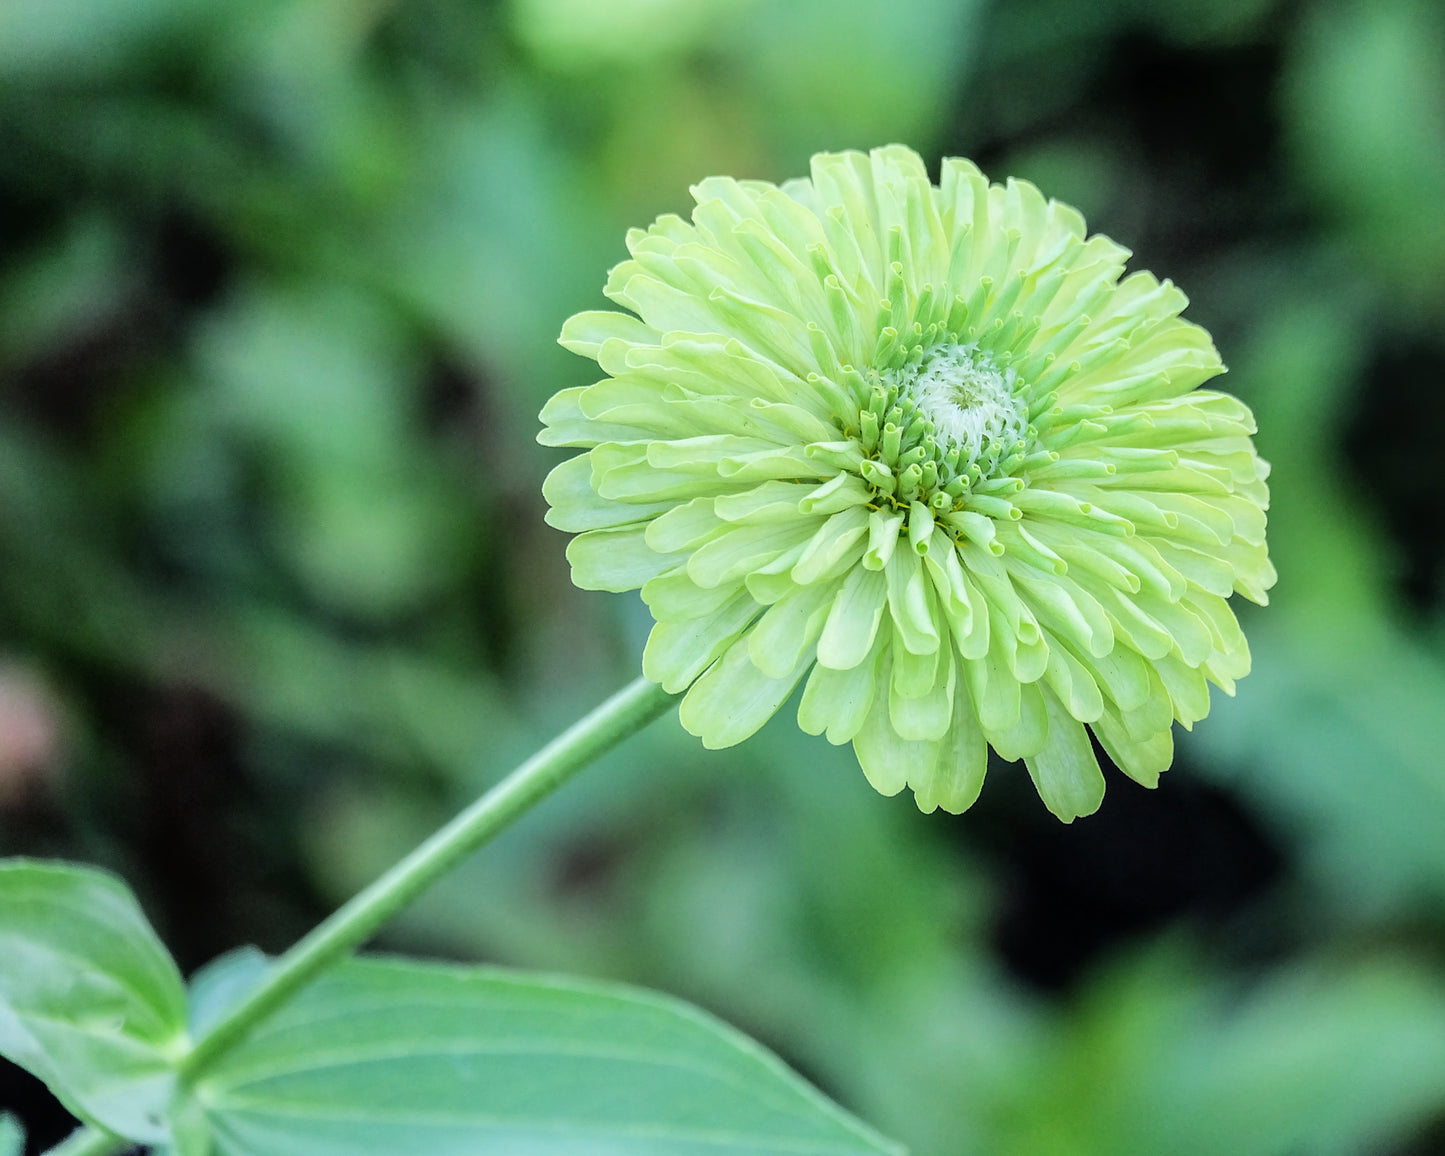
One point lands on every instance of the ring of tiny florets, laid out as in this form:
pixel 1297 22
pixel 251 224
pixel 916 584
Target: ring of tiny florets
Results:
pixel 910 454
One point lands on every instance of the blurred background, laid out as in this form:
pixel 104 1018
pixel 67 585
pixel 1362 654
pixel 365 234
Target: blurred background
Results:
pixel 280 282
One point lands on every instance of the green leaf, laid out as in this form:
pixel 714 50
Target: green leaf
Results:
pixel 222 984
pixel 1323 1058
pixel 12 1136
pixel 90 1001
pixel 392 1056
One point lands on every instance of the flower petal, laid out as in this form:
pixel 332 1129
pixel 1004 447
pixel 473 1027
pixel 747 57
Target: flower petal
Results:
pixel 852 622
pixel 575 506
pixel 1029 733
pixel 956 779
pixel 888 760
pixel 743 548
pixel 678 651
pixel 616 560
pixel 733 698
pixel 911 601
pixel 789 629
pixel 926 716
pixel 1065 770
pixel 1143 760
pixel 838 701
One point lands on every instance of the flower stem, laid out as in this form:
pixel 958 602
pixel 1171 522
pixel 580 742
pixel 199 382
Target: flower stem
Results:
pixel 622 715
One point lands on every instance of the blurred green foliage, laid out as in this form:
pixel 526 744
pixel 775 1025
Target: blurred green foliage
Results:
pixel 279 287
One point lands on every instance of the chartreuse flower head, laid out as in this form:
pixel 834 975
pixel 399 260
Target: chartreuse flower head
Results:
pixel 921 448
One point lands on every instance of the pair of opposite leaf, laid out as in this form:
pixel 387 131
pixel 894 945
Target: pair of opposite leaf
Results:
pixel 920 448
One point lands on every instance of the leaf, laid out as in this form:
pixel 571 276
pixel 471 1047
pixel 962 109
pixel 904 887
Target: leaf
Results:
pixel 90 1001
pixel 386 1056
pixel 12 1136
pixel 76 38
pixel 1340 746
pixel 1319 1058
pixel 222 983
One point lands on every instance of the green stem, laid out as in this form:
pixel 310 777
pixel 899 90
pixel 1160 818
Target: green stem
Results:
pixel 622 715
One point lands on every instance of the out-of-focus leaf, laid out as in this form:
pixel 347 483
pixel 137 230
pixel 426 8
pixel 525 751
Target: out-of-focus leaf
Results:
pixel 53 295
pixel 495 241
pixel 318 371
pixel 1342 747
pixel 1206 22
pixel 856 74
pixel 41 37
pixel 1339 729
pixel 221 984
pixel 1319 1060
pixel 90 1001
pixel 393 1056
pixel 318 385
pixel 581 34
pixel 1367 112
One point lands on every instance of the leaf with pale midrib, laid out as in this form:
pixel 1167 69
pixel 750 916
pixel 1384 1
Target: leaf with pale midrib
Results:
pixel 90 1000
pixel 386 1056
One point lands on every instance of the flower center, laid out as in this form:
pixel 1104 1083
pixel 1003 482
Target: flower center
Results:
pixel 969 400
pixel 942 425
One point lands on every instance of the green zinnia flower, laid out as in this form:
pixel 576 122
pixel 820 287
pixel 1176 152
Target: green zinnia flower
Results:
pixel 921 447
